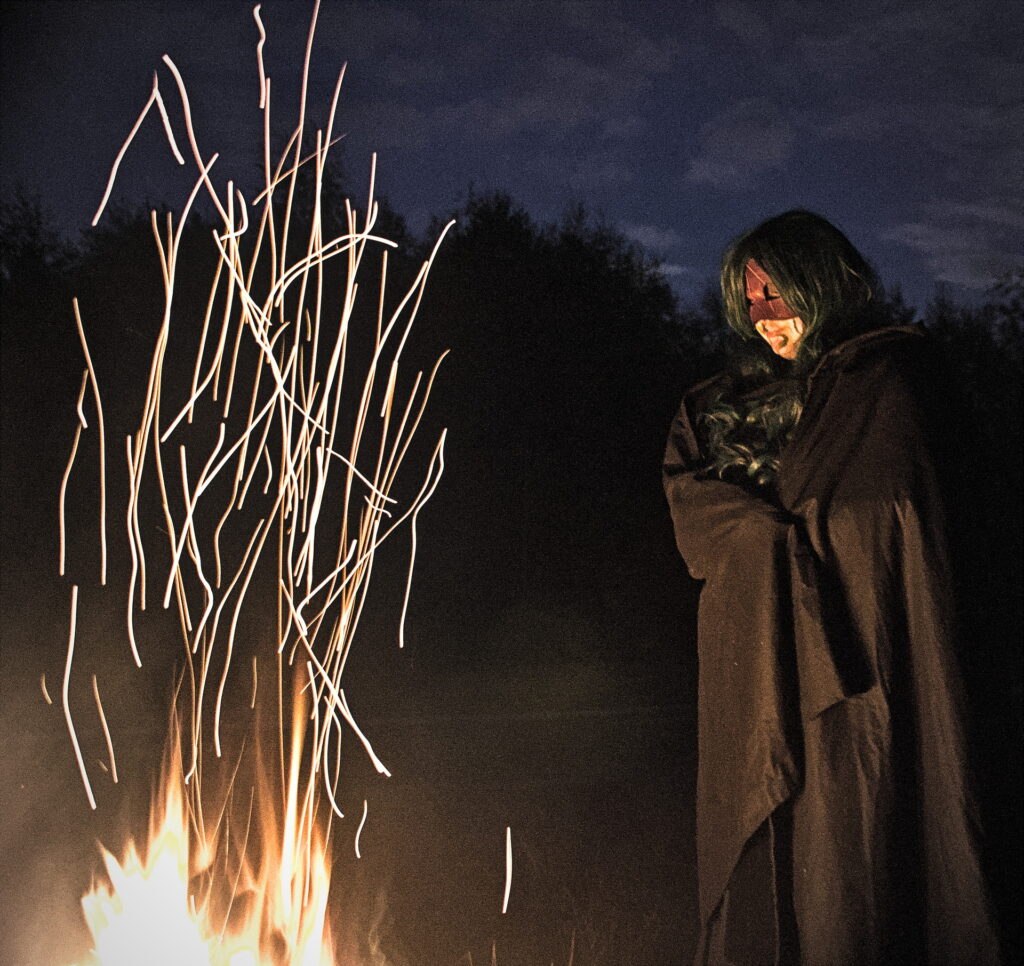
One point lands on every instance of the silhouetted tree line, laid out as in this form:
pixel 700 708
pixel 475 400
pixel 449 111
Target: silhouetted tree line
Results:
pixel 570 351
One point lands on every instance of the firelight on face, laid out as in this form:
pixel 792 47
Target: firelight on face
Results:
pixel 776 323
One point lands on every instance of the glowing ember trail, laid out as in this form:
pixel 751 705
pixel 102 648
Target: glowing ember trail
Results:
pixel 508 869
pixel 235 870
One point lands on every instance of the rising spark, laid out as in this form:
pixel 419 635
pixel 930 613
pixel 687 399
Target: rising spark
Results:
pixel 359 831
pixel 508 868
pixel 64 696
pixel 63 495
pixel 103 445
pixel 154 98
pixel 106 730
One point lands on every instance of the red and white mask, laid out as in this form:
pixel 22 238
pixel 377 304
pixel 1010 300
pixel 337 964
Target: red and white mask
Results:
pixel 775 321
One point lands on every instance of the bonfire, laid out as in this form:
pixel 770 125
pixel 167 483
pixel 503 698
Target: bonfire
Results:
pixel 273 472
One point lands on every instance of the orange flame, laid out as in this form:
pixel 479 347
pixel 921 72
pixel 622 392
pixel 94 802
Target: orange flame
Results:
pixel 199 898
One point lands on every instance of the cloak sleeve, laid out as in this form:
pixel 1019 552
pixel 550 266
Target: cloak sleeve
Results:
pixel 754 562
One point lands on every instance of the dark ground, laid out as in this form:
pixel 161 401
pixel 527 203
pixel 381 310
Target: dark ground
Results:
pixel 590 764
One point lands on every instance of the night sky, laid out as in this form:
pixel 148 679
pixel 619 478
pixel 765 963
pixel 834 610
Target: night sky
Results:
pixel 681 122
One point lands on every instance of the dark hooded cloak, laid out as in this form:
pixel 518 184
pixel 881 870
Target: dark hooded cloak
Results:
pixel 834 821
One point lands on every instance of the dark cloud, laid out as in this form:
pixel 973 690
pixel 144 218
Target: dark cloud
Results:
pixel 737 145
pixel 600 171
pixel 882 115
pixel 674 270
pixel 744 20
pixel 651 236
pixel 932 91
pixel 964 244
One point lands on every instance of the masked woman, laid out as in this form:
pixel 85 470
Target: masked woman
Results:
pixel 809 490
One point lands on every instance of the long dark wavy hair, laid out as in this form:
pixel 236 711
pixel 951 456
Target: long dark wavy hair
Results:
pixel 820 274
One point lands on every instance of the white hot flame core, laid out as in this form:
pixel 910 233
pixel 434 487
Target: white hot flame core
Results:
pixel 189 899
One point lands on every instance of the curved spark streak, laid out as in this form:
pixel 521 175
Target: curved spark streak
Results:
pixel 81 399
pixel 233 627
pixel 332 785
pixel 42 684
pixel 188 528
pixel 154 97
pixel 63 493
pixel 347 714
pixel 300 128
pixel 259 55
pixel 323 583
pixel 508 868
pixel 64 698
pixel 359 831
pixel 231 232
pixel 106 730
pixel 412 553
pixel 330 249
pixel 196 153
pixel 103 445
pixel 338 702
pixel 281 176
pixel 138 572
pixel 270 471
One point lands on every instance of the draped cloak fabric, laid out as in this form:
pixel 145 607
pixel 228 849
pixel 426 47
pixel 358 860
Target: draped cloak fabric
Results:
pixel 828 699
